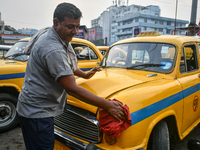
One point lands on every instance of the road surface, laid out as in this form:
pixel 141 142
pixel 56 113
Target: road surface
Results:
pixel 13 140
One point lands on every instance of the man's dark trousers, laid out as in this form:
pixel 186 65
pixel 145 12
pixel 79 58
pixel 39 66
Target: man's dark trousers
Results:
pixel 38 134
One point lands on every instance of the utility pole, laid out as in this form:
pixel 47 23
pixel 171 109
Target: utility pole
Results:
pixel 192 27
pixel 175 17
pixel 193 17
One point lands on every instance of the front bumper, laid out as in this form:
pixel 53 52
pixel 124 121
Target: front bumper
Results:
pixel 72 142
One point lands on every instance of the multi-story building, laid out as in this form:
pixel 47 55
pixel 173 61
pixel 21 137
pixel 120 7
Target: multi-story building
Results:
pixel 1 24
pixel 120 21
pixel 27 31
pixel 146 19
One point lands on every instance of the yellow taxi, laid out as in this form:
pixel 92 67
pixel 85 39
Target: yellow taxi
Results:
pixel 155 77
pixel 12 71
pixel 103 49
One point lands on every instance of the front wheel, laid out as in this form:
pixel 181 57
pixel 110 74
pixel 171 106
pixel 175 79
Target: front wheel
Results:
pixel 8 115
pixel 159 139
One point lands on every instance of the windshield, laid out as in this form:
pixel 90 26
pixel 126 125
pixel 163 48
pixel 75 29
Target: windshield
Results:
pixel 158 57
pixel 16 52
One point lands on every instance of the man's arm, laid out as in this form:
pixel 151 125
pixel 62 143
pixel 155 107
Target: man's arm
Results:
pixel 112 107
pixel 88 75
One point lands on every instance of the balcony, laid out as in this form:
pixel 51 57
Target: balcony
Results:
pixel 124 33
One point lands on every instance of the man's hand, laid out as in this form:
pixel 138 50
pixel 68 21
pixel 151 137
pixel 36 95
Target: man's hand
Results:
pixel 112 107
pixel 116 110
pixel 84 75
pixel 92 72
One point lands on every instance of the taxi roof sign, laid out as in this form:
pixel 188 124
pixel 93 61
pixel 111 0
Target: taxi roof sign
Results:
pixel 149 33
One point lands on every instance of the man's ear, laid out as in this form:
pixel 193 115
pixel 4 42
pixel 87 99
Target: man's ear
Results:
pixel 56 22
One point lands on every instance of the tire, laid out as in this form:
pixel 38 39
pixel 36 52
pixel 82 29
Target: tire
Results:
pixel 8 115
pixel 159 139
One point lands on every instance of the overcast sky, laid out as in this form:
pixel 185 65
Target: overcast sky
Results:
pixel 39 13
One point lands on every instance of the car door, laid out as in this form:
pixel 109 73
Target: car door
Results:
pixel 87 57
pixel 190 81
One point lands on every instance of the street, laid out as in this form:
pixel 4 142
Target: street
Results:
pixel 13 140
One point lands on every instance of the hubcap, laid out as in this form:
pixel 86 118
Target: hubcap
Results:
pixel 7 113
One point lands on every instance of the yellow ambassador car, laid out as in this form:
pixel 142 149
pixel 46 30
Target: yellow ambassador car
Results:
pixel 12 71
pixel 157 77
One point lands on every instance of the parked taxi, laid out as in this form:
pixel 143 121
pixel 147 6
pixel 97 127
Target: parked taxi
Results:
pixel 157 77
pixel 12 71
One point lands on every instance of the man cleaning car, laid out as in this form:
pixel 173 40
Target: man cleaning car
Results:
pixel 49 77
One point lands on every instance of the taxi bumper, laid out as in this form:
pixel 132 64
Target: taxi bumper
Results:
pixel 72 142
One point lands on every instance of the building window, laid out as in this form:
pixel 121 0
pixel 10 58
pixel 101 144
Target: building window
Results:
pixel 156 13
pixel 145 20
pixel 160 30
pixel 168 31
pixel 136 19
pixel 168 23
pixel 161 22
pixel 145 28
pixel 156 22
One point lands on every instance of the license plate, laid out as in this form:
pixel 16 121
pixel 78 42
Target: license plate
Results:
pixel 60 146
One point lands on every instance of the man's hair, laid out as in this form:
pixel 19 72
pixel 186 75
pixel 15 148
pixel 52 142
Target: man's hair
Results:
pixel 66 10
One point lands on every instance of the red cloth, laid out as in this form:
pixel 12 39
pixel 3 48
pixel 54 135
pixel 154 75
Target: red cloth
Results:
pixel 111 126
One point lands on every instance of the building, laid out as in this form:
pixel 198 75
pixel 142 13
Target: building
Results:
pixel 82 32
pixel 126 27
pixel 95 33
pixel 27 31
pixel 11 39
pixel 7 37
pixel 120 21
pixel 104 21
pixel 1 24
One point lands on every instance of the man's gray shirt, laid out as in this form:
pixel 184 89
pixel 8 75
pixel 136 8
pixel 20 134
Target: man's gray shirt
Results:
pixel 42 95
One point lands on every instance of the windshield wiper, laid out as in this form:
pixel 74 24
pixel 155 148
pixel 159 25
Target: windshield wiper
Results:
pixel 15 55
pixel 146 65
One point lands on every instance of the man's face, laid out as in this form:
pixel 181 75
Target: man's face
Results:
pixel 67 29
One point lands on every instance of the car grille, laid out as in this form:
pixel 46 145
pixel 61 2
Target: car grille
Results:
pixel 79 123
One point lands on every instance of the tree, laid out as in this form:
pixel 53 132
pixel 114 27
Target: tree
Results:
pixel 9 28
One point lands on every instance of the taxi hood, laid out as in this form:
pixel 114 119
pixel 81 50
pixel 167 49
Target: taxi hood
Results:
pixel 111 81
pixel 12 66
pixel 7 62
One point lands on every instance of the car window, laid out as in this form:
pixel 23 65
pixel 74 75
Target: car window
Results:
pixel 103 52
pixel 188 60
pixel 84 52
pixel 17 51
